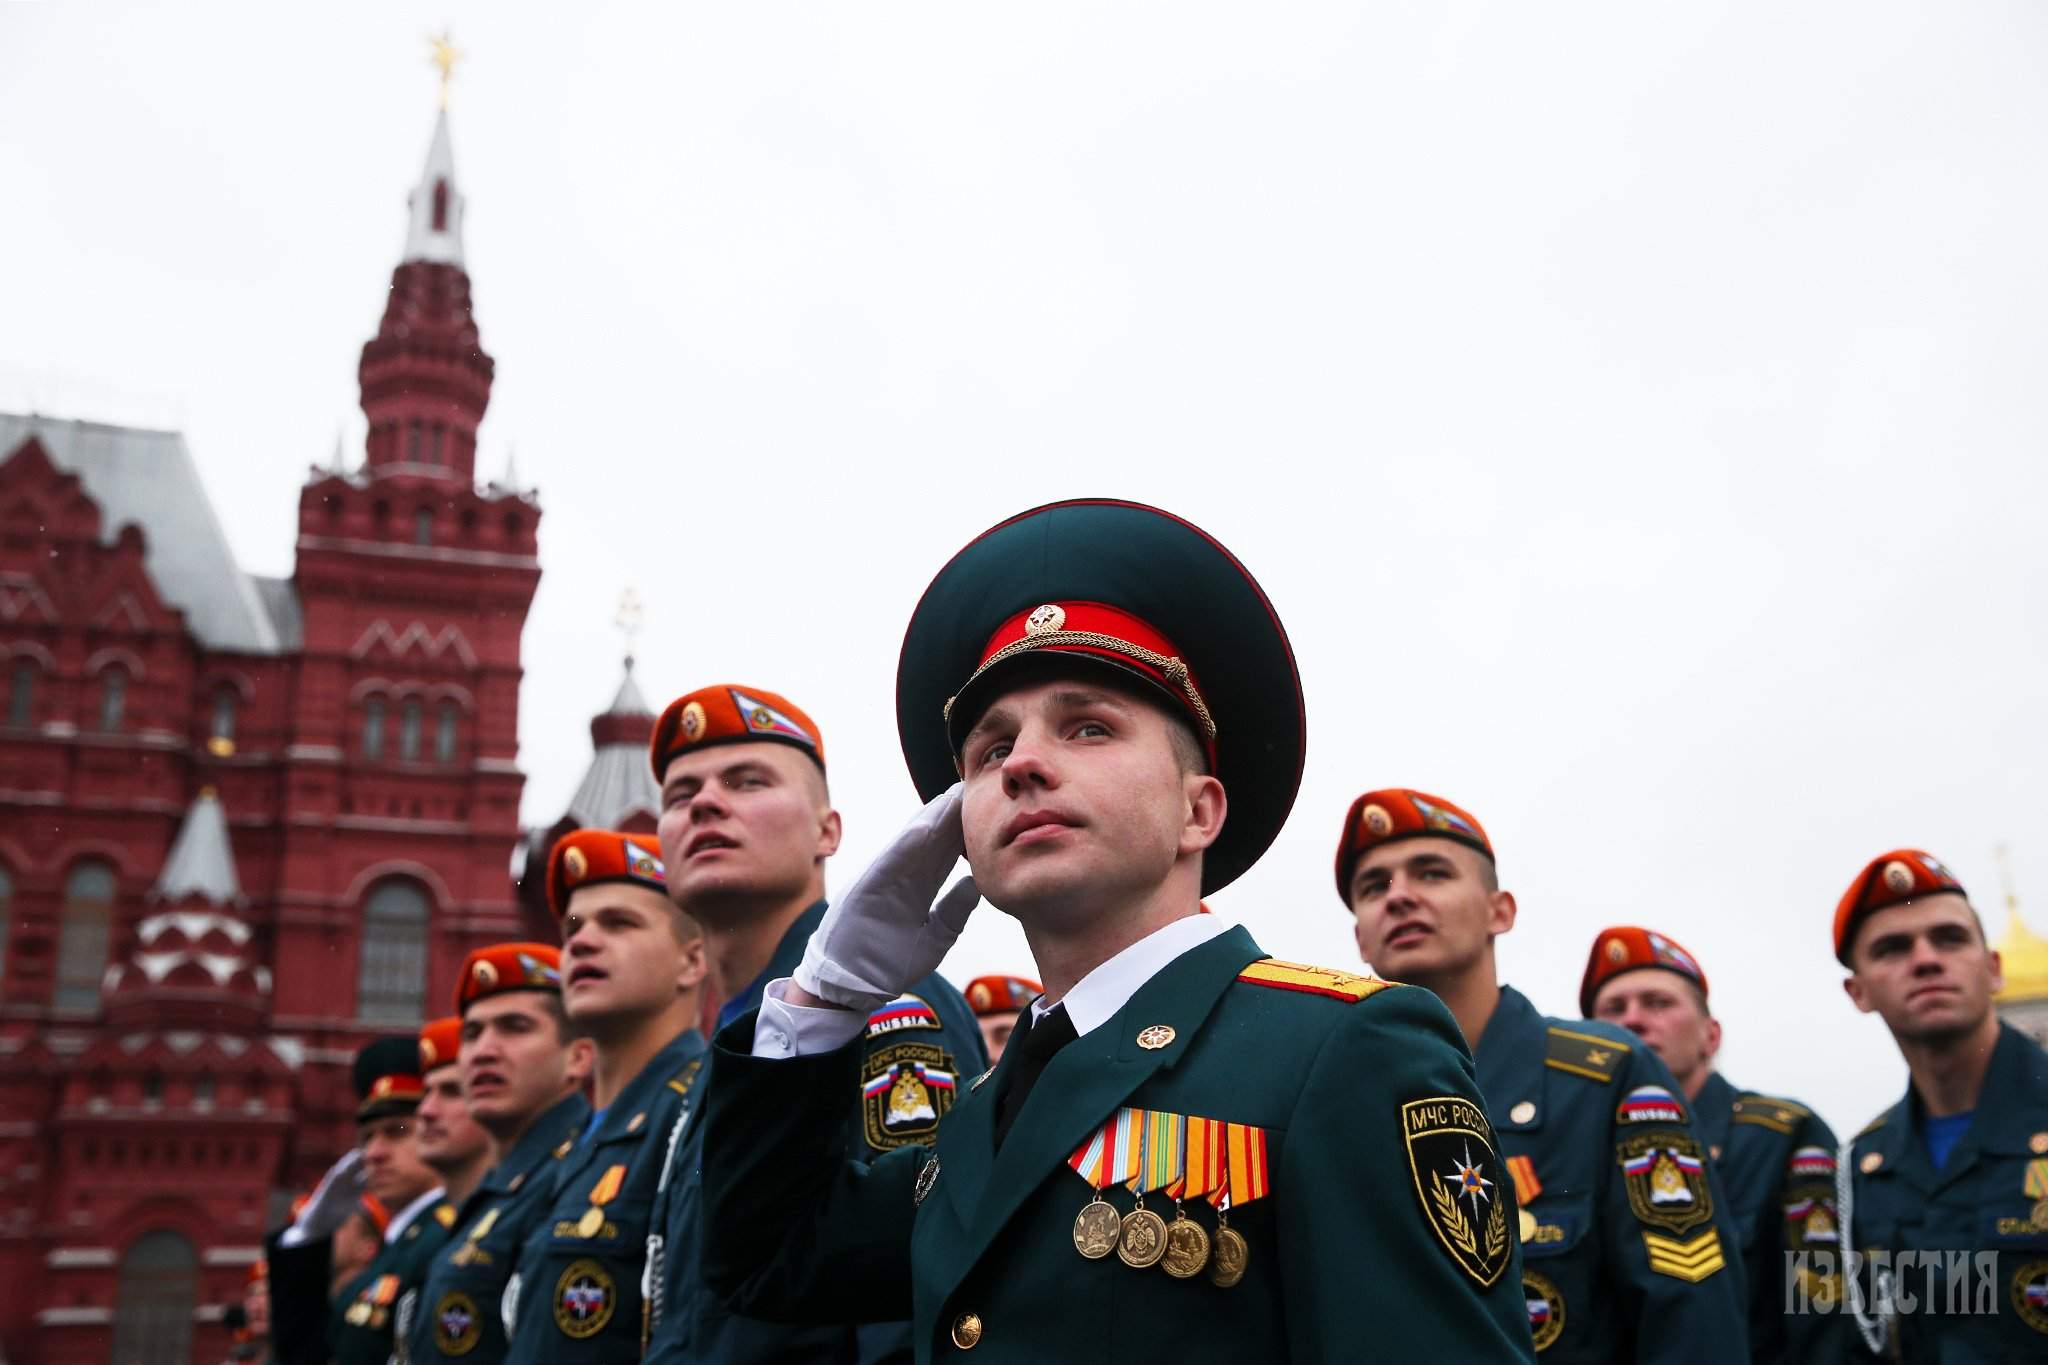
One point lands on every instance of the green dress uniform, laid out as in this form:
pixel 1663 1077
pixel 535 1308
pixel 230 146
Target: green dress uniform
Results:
pixel 928 1032
pixel 365 1326
pixel 1362 1182
pixel 1776 1160
pixel 1629 1251
pixel 457 1313
pixel 579 1278
pixel 1983 1297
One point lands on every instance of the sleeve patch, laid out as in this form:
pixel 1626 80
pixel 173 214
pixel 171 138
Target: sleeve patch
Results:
pixel 904 1012
pixel 906 1088
pixel 1666 1180
pixel 1294 976
pixel 1585 1054
pixel 1691 1261
pixel 1457 1179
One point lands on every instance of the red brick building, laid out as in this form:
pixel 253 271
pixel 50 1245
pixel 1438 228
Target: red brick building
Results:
pixel 245 823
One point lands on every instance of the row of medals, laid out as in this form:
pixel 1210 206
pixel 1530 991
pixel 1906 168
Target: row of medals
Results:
pixel 1142 1239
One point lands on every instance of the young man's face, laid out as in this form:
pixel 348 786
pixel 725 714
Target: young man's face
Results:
pixel 515 1063
pixel 1425 909
pixel 623 954
pixel 1924 968
pixel 449 1137
pixel 743 822
pixel 1665 1011
pixel 1077 798
pixel 392 1168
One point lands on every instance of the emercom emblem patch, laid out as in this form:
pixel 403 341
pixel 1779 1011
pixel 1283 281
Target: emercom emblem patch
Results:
pixel 1457 1180
pixel 906 1088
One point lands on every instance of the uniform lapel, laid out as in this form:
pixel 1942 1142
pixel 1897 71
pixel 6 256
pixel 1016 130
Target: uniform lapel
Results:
pixel 1509 1060
pixel 1712 1113
pixel 2001 1126
pixel 1082 1088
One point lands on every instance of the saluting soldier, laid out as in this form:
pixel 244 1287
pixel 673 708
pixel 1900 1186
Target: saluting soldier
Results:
pixel 746 826
pixel 1776 1158
pixel 523 1077
pixel 1191 1151
pixel 633 980
pixel 1629 1252
pixel 1950 1185
pixel 313 1322
pixel 996 1002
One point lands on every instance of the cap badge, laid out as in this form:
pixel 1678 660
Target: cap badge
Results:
pixel 574 865
pixel 485 972
pixel 1155 1036
pixel 980 997
pixel 1045 620
pixel 1378 822
pixel 1898 877
pixel 1617 951
pixel 427 1054
pixel 693 721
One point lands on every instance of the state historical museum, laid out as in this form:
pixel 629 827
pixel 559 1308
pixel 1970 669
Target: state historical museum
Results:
pixel 245 823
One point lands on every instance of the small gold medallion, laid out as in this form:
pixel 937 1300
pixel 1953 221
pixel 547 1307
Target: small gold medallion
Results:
pixel 693 720
pixel 591 1223
pixel 1377 822
pixel 1226 1266
pixel 1525 1112
pixel 2038 1144
pixel 1142 1241
pixel 1187 1248
pixel 1898 877
pixel 2039 1214
pixel 1096 1229
pixel 1617 951
pixel 574 865
pixel 1155 1037
pixel 1871 1161
pixel 1527 1225
pixel 486 973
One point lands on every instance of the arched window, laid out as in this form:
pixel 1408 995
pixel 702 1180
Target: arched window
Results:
pixel 423 526
pixel 445 731
pixel 409 730
pixel 82 940
pixel 391 987
pixel 226 704
pixel 373 728
pixel 21 693
pixel 412 443
pixel 159 1287
pixel 6 918
pixel 113 699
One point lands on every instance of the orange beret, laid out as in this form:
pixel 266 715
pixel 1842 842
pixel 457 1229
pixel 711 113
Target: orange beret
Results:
pixel 439 1042
pixel 504 967
pixel 1624 948
pixel 588 857
pixel 1001 994
pixel 1383 817
pixel 1093 630
pixel 727 714
pixel 1889 879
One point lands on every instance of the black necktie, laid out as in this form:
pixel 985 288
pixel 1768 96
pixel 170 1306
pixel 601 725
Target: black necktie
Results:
pixel 1035 1050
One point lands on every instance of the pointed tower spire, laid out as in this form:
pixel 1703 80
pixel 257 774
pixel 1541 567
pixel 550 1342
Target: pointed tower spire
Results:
pixel 201 862
pixel 434 232
pixel 510 483
pixel 339 464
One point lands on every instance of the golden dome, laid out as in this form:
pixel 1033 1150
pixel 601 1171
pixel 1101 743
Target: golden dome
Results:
pixel 2024 955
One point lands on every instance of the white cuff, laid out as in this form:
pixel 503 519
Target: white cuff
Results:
pixel 786 1030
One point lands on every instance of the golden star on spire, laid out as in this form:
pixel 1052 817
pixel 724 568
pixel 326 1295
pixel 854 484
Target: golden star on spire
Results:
pixel 445 56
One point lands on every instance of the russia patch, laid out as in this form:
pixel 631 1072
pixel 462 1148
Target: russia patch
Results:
pixel 904 1012
pixel 1649 1104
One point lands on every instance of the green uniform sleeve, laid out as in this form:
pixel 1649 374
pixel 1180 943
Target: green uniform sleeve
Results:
pixel 796 1226
pixel 1391 1185
pixel 1807 1221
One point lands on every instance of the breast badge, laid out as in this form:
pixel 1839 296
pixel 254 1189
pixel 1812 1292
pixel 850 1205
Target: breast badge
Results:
pixel 457 1326
pixel 1546 1309
pixel 1456 1177
pixel 585 1299
pixel 905 1090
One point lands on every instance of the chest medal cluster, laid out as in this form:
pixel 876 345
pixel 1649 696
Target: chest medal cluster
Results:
pixel 1179 1157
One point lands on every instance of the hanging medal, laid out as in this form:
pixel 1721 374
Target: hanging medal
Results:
pixel 1141 1239
pixel 1245 1171
pixel 1097 1226
pixel 1166 1155
pixel 603 1192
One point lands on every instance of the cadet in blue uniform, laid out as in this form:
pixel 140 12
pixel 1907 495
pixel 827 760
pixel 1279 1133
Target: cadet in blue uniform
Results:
pixel 746 826
pixel 1191 1152
pixel 458 1152
pixel 313 1322
pixel 1950 1192
pixel 523 1078
pixel 633 980
pixel 1776 1158
pixel 1629 1250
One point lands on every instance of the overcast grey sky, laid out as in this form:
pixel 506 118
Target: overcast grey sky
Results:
pixel 1633 410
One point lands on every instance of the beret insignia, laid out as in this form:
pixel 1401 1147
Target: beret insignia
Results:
pixel 693 720
pixel 574 865
pixel 1898 877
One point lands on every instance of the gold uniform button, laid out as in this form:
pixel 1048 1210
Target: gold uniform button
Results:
pixel 967 1331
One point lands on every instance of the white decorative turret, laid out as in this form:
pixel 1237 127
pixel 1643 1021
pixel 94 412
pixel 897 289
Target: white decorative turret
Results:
pixel 434 230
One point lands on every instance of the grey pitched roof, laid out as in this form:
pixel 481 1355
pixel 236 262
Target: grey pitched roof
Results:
pixel 201 861
pixel 629 702
pixel 617 784
pixel 281 603
pixel 148 478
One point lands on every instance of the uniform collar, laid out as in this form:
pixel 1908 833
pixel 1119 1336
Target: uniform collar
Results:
pixel 537 1144
pixel 403 1218
pixel 1095 999
pixel 2004 1120
pixel 789 951
pixel 1713 1110
pixel 638 1097
pixel 1510 1051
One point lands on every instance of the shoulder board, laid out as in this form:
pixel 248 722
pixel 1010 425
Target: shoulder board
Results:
pixel 1293 976
pixel 1585 1054
pixel 1872 1126
pixel 1780 1116
pixel 444 1214
pixel 685 1078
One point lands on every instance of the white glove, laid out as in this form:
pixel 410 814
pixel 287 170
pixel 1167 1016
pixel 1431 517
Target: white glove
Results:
pixel 338 1195
pixel 886 933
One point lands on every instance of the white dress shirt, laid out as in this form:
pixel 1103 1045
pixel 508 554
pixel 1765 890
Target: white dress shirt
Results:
pixel 786 1030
